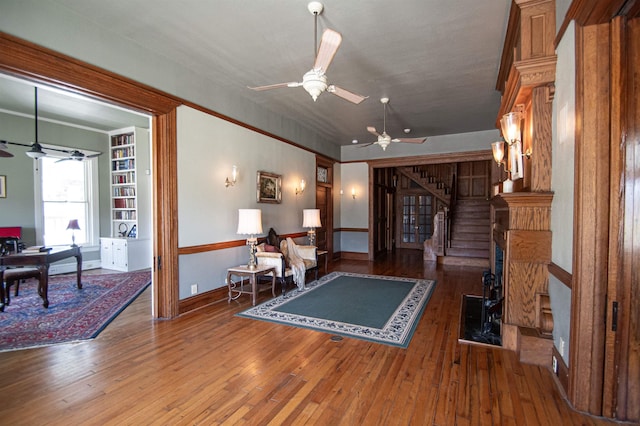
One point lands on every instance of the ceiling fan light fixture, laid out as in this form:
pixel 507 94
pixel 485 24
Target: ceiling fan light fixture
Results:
pixel 36 151
pixel 314 83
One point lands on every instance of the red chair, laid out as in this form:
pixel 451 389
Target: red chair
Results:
pixel 11 232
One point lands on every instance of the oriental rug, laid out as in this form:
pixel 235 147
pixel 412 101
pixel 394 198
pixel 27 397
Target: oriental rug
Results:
pixel 73 314
pixel 376 308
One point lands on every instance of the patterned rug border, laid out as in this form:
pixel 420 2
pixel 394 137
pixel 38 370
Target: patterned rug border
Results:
pixel 397 331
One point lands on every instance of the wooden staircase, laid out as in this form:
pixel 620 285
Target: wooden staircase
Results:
pixel 436 179
pixel 469 241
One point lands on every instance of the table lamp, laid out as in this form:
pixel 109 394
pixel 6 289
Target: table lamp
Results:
pixel 73 225
pixel 250 223
pixel 311 219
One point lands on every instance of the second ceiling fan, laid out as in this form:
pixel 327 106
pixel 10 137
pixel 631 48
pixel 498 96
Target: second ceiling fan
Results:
pixel 384 139
pixel 315 80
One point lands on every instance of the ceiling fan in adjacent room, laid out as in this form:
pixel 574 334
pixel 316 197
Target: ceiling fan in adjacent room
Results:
pixel 384 139
pixel 315 80
pixel 37 150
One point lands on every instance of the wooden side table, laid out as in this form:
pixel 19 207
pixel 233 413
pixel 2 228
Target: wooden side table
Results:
pixel 253 286
pixel 326 258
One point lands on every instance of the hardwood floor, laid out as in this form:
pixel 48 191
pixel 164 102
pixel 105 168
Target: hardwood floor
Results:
pixel 211 367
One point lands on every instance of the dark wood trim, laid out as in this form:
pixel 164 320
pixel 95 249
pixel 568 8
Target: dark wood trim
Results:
pixel 560 273
pixel 30 61
pixel 452 157
pixel 351 230
pixel 203 248
pixel 165 215
pixel 591 217
pixel 592 12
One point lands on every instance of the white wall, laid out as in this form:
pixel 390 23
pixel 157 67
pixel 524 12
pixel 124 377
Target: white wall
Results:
pixel 562 180
pixel 354 213
pixel 208 147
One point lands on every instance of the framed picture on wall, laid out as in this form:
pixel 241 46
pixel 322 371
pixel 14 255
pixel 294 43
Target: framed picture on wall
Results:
pixel 269 187
pixel 3 187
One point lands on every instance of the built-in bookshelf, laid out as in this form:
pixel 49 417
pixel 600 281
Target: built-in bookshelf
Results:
pixel 128 246
pixel 129 162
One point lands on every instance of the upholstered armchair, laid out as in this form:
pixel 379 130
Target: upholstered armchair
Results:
pixel 278 257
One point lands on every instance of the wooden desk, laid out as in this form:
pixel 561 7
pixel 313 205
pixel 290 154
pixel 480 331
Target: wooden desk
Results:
pixel 253 274
pixel 41 261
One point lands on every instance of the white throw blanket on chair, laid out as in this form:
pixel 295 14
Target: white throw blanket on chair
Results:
pixel 297 264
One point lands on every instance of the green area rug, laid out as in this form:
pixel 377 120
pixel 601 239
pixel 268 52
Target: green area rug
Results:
pixel 370 307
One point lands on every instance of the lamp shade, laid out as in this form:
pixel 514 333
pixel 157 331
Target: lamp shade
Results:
pixel 510 124
pixel 249 221
pixel 73 224
pixel 311 218
pixel 498 151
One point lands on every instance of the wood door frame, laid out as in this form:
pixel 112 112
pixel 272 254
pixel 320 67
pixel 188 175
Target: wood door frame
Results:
pixel 452 157
pixel 602 250
pixel 32 62
pixel 328 164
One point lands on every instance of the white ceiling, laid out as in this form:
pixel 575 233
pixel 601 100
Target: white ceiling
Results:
pixel 436 60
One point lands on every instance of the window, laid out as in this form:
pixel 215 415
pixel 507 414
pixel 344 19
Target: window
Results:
pixel 66 190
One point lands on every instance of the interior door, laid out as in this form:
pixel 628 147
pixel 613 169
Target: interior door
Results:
pixel 415 219
pixel 323 194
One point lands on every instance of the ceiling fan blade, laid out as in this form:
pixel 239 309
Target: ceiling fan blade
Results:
pixel 4 150
pixel 276 86
pixel 63 159
pixel 328 47
pixel 409 140
pixel 367 144
pixel 373 131
pixel 93 155
pixel 345 94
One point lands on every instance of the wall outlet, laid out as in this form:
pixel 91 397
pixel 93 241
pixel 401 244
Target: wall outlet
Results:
pixel 194 288
pixel 554 364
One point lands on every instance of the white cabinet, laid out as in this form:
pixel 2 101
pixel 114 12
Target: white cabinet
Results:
pixel 125 254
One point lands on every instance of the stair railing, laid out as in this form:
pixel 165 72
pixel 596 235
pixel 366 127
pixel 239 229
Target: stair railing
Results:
pixel 452 208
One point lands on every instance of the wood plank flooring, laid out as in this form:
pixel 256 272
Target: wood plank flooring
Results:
pixel 210 367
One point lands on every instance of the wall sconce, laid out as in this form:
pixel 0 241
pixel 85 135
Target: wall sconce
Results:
pixel 234 177
pixel 353 193
pixel 510 124
pixel 300 190
pixel 498 155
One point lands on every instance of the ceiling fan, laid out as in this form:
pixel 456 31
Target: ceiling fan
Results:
pixel 384 139
pixel 37 150
pixel 315 80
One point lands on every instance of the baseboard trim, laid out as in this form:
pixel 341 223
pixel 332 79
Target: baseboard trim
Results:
pixel 352 255
pixel 203 299
pixel 562 371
